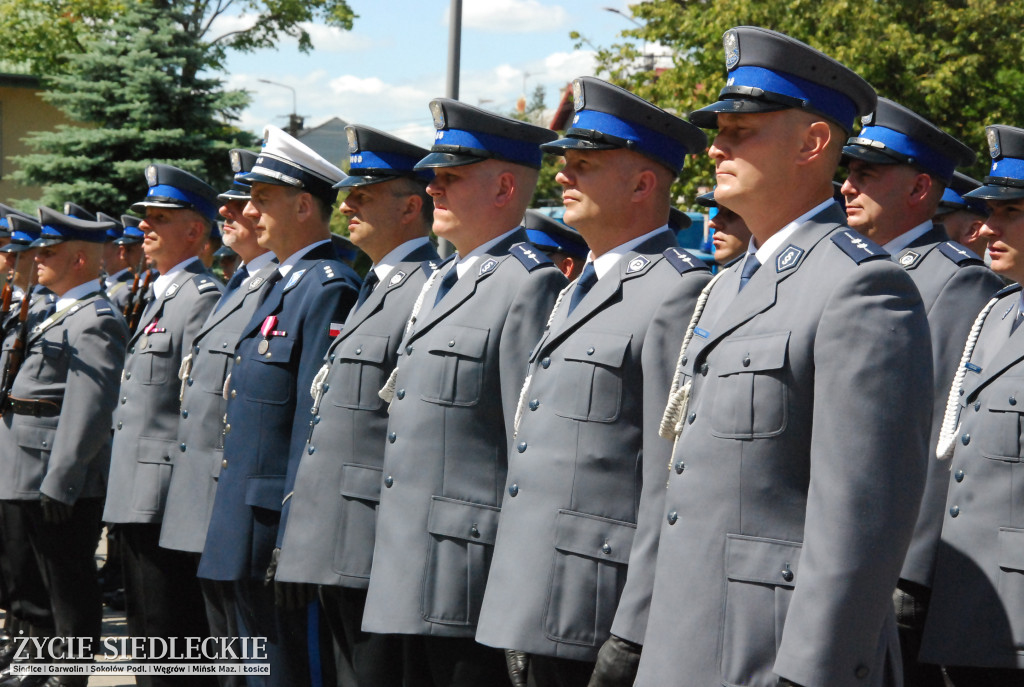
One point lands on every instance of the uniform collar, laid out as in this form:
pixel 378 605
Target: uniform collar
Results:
pixel 76 293
pixel 776 240
pixel 383 268
pixel 286 266
pixel 607 261
pixel 259 262
pixel 904 240
pixel 164 281
pixel 112 278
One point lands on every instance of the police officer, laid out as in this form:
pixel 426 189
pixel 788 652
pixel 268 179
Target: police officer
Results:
pixel 730 235
pixel 598 378
pixel 117 275
pixel 800 409
pixel 975 623
pixel 962 217
pixel 193 482
pixel 65 389
pixel 558 240
pixel 462 365
pixel 125 262
pixel 329 535
pixel 277 355
pixel 161 591
pixel 899 165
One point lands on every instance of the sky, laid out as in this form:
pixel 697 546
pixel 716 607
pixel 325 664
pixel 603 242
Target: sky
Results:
pixel 385 71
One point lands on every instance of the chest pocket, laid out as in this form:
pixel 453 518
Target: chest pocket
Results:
pixel 999 425
pixel 590 377
pixel 154 355
pixel 51 363
pixel 219 352
pixel 273 381
pixel 360 372
pixel 456 366
pixel 749 398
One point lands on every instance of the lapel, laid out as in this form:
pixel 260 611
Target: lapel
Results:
pixel 996 332
pixel 736 307
pixel 392 281
pixel 466 286
pixel 191 270
pixel 608 289
pixel 248 289
pixel 914 254
pixel 275 296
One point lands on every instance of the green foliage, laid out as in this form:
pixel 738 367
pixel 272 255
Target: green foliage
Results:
pixel 135 90
pixel 955 62
pixel 549 191
pixel 45 33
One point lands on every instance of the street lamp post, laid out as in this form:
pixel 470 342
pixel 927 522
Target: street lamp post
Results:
pixel 295 122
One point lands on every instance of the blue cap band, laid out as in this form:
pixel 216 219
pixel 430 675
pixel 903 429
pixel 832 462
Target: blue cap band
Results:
pixel 19 236
pixel 134 233
pixel 1007 167
pixel 926 157
pixel 951 197
pixel 4 223
pixel 825 100
pixel 369 160
pixel 204 208
pixel 647 141
pixel 543 239
pixel 520 152
pixel 70 234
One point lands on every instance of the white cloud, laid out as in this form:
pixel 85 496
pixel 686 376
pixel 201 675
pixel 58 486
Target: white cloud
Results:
pixel 325 38
pixel 510 16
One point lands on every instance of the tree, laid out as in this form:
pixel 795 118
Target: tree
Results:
pixel 45 33
pixel 136 91
pixel 956 62
pixel 548 191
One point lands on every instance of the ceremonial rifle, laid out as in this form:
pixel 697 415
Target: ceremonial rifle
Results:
pixel 139 305
pixel 127 312
pixel 17 353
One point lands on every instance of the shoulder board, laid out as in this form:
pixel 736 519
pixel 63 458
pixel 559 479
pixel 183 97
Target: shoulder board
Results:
pixel 531 256
pixel 683 261
pixel 328 272
pixel 1006 291
pixel 205 283
pixel 858 248
pixel 961 255
pixel 429 266
pixel 103 307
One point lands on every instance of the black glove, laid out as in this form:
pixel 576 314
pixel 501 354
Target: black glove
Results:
pixel 517 663
pixel 54 512
pixel 617 663
pixel 288 595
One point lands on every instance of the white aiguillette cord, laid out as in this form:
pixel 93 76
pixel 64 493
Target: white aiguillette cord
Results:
pixel 950 426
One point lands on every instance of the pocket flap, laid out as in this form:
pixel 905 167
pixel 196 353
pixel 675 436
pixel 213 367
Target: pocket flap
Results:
pixel 279 350
pixel 599 349
pixel 51 349
pixel 160 451
pixel 1006 396
pixel 768 561
pixel 221 342
pixel 34 436
pixel 473 522
pixel 1011 549
pixel 752 354
pixel 265 491
pixel 468 342
pixel 361 482
pixel 364 349
pixel 157 342
pixel 593 536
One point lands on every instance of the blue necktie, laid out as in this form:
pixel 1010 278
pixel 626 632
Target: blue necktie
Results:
pixel 749 267
pixel 447 282
pixel 367 287
pixel 240 275
pixel 583 286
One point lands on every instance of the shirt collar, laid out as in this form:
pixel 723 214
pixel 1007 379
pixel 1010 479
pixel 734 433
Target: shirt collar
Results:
pixel 775 241
pixel 383 268
pixel 908 237
pixel 259 262
pixel 465 264
pixel 161 284
pixel 76 293
pixel 606 262
pixel 286 266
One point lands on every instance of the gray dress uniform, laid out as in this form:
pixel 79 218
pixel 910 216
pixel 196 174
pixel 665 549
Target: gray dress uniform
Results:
pixel 586 445
pixel 330 531
pixel 445 463
pixel 146 442
pixel 193 482
pixel 953 282
pixel 798 472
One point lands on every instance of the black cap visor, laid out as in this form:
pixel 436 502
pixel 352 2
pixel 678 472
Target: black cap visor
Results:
pixel 869 155
pixel 16 247
pixel 707 200
pixel 572 143
pixel 230 195
pixel 992 190
pixel 127 241
pixel 356 180
pixel 707 117
pixel 443 159
pixel 43 243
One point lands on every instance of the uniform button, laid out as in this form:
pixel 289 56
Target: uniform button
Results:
pixel 521 447
pixel 680 466
pixel 513 489
pixel 332 357
pixel 326 387
pixel 977 406
pixel 408 350
pixel 400 394
pixel 1013 400
pixel 746 361
pixel 954 511
pixel 704 369
pixel 315 421
pixel 534 404
pixel 392 437
pixel 685 360
pixel 388 481
pixel 961 392
pixel 545 363
pixel 691 418
pixel 590 351
pixel 787 574
pixel 227 429
pixel 120 424
pixel 672 517
pixel 311 450
pixel 965 439
pixel 127 375
pixel 607 548
pixel 451 344
pixel 131 350
pixel 238 358
pixel 124 399
pixel 959 475
pixel 474 531
pixel 44 443
pixel 182 447
pixel 195 349
pixel 224 464
pixel 861 672
pixel 184 414
pixel 359 351
pixel 234 393
pixel 189 381
pixel 223 345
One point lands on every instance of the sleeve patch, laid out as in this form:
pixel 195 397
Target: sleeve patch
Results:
pixel 530 256
pixel 961 255
pixel 858 248
pixel 683 261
